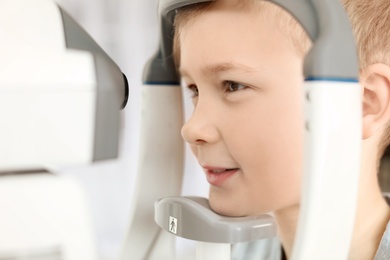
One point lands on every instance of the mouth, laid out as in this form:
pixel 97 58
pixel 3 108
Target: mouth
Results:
pixel 218 176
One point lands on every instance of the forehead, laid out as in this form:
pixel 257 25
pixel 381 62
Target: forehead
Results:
pixel 226 34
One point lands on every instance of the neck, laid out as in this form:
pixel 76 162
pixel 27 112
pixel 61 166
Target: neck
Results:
pixel 287 220
pixel 372 214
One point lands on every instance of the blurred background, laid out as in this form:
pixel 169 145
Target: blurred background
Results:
pixel 127 31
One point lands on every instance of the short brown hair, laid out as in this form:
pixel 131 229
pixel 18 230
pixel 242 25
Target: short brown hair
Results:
pixel 370 21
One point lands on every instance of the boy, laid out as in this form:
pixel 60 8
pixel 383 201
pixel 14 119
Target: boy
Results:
pixel 242 61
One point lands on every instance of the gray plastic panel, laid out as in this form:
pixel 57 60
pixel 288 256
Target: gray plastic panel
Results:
pixel 304 12
pixel 334 54
pixel 112 90
pixel 77 38
pixel 108 105
pixel 160 69
pixel 192 218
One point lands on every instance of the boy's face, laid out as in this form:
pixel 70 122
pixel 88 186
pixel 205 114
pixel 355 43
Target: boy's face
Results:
pixel 247 126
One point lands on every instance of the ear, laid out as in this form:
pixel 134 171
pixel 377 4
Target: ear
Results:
pixel 375 80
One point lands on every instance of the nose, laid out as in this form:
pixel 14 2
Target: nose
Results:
pixel 201 128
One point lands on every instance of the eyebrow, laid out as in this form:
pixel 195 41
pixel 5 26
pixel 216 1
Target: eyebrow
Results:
pixel 218 68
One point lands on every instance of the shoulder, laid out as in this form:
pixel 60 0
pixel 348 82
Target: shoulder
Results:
pixel 383 252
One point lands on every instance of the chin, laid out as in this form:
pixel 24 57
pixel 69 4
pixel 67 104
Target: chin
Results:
pixel 232 205
pixel 227 207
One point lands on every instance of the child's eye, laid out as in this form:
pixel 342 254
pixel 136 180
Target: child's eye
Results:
pixel 232 86
pixel 194 89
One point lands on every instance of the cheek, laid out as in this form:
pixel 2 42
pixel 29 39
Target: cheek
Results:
pixel 268 145
pixel 275 148
pixel 276 127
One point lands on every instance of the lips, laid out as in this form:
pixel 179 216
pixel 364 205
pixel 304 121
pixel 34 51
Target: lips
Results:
pixel 218 176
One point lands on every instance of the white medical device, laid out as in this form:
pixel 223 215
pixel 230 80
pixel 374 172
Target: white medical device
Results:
pixel 60 98
pixel 332 140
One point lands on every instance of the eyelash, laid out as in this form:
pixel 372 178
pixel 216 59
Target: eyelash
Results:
pixel 227 86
